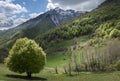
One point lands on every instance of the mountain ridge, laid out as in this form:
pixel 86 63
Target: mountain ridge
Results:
pixel 53 16
pixel 39 24
pixel 102 23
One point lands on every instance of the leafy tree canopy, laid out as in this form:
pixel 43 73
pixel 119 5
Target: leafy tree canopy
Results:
pixel 26 56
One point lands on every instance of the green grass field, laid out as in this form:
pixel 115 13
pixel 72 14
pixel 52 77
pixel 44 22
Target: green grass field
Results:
pixel 58 47
pixel 57 59
pixel 46 75
pixel 50 75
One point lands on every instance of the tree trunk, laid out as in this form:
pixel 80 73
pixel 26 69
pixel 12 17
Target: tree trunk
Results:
pixel 29 75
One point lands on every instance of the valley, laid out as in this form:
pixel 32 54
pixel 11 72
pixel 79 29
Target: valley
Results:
pixel 79 45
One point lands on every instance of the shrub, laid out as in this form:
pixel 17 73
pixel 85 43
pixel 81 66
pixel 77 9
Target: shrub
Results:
pixel 115 33
pixel 118 65
pixel 101 58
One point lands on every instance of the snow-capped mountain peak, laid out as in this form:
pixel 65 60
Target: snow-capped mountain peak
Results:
pixel 59 15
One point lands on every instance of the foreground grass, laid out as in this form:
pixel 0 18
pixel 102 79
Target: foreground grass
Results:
pixel 47 75
pixel 57 59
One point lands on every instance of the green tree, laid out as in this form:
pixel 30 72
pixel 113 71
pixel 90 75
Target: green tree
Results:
pixel 26 57
pixel 115 33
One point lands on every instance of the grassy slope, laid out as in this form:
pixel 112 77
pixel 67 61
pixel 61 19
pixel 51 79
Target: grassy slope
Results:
pixel 29 29
pixel 56 52
pixel 63 45
pixel 94 19
pixel 51 76
pixel 57 59
pixel 106 14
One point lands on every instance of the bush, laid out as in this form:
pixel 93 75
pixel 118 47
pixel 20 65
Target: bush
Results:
pixel 26 57
pixel 115 33
pixel 118 65
pixel 101 58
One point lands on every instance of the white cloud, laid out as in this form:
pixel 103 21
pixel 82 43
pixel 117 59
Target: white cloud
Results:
pixel 33 15
pixel 4 21
pixel 7 0
pixel 8 12
pixel 9 8
pixel 81 5
pixel 19 21
pixel 4 28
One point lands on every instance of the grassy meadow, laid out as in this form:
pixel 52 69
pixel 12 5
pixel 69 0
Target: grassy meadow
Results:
pixel 57 59
pixel 48 75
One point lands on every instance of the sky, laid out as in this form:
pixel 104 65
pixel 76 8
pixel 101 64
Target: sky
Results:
pixel 15 12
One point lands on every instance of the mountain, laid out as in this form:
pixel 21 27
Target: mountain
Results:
pixel 58 15
pixel 44 22
pixel 102 23
pixel 38 25
pixel 35 27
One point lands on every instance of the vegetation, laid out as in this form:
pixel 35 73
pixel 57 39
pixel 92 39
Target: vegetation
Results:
pixel 88 46
pixel 26 57
pixel 109 30
pixel 101 23
pixel 48 75
pixel 118 65
pixel 92 59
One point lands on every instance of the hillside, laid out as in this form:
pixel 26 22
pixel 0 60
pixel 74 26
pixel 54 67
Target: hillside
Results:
pixel 103 22
pixel 43 22
pixel 77 46
pixel 38 25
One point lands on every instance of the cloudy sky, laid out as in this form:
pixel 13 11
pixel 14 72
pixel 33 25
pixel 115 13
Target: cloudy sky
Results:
pixel 15 12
